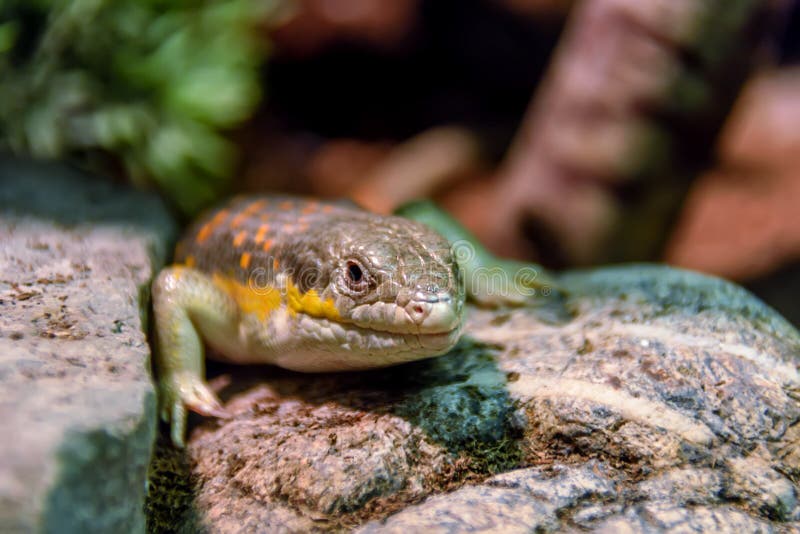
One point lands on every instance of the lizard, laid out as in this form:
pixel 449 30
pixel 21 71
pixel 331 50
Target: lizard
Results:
pixel 315 286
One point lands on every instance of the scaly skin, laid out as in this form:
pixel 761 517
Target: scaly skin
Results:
pixel 306 285
pixel 315 286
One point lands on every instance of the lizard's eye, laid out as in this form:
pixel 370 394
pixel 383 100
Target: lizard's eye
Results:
pixel 354 272
pixel 355 276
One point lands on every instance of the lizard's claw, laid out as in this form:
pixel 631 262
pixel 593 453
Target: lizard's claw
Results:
pixel 183 391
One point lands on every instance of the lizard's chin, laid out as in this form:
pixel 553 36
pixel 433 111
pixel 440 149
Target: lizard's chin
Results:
pixel 441 340
pixel 427 343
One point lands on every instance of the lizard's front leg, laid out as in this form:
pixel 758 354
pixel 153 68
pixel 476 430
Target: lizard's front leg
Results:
pixel 188 307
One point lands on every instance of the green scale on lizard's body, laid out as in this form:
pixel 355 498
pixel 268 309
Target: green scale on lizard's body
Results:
pixel 303 284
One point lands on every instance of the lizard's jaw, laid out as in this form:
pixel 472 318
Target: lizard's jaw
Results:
pixel 326 345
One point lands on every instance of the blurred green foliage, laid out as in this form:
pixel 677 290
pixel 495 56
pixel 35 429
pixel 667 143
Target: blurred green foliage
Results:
pixel 148 86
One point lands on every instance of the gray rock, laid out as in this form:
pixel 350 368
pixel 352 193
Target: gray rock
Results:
pixel 526 500
pixel 753 482
pixel 77 408
pixel 665 517
pixel 473 509
pixel 667 401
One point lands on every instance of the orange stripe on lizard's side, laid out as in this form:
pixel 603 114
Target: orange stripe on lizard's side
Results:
pixel 264 300
pixel 310 303
pixel 261 301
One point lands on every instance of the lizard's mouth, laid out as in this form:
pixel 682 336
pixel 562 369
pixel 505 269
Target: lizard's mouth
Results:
pixel 414 317
pixel 425 338
pixel 335 346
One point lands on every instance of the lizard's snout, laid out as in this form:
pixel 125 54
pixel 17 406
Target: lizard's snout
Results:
pixel 432 311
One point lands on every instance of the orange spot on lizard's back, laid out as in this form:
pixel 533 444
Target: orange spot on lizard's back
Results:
pixel 204 232
pixel 262 233
pixel 219 218
pixel 244 260
pixel 285 205
pixel 255 206
pixel 209 227
pixel 247 212
pixel 238 220
pixel 239 239
pixel 267 245
pixel 310 207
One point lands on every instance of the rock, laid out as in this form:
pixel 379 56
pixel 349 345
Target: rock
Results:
pixel 665 400
pixel 525 500
pixel 77 408
pixel 663 517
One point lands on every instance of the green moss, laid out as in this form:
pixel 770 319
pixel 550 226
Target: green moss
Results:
pixel 463 404
pixel 170 495
pixel 146 87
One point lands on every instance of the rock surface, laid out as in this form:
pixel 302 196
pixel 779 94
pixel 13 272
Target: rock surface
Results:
pixel 663 400
pixel 666 400
pixel 77 408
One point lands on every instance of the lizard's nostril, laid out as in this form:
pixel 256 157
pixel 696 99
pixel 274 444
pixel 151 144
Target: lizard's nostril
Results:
pixel 418 311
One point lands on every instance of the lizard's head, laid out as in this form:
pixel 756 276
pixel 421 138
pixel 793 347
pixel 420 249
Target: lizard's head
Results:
pixel 393 289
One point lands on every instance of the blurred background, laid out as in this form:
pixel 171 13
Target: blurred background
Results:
pixel 571 133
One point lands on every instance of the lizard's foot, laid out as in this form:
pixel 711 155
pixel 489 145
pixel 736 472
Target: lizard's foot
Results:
pixel 182 391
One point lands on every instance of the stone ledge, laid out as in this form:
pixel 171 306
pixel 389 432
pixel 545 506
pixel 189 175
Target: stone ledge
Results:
pixel 77 407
